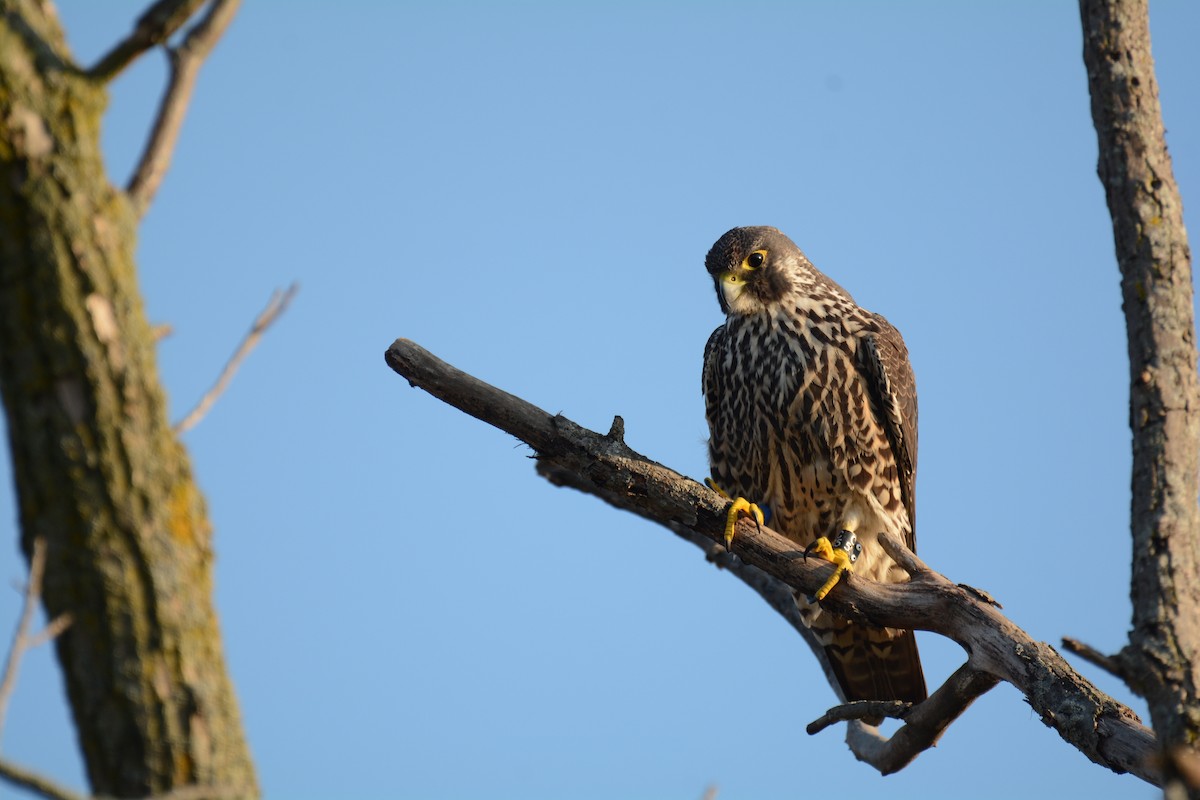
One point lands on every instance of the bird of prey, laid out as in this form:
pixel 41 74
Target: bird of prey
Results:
pixel 812 413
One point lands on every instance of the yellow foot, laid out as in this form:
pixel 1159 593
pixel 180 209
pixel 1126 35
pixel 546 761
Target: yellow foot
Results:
pixel 737 508
pixel 843 551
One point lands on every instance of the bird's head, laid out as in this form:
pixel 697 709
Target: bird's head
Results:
pixel 753 268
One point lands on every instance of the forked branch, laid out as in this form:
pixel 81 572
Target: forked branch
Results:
pixel 924 723
pixel 1098 726
pixel 153 28
pixel 23 642
pixel 185 66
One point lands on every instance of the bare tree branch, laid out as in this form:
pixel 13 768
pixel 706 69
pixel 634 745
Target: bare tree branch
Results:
pixel 44 787
pixel 55 628
pixel 197 791
pixel 1094 657
pixel 1104 730
pixel 777 594
pixel 1162 658
pixel 924 723
pixel 35 783
pixel 275 307
pixel 185 66
pixel 20 642
pixel 153 28
pixel 859 710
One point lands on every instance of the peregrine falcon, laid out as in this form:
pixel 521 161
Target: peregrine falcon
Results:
pixel 812 411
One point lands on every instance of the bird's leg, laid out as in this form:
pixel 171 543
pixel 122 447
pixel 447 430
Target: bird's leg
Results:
pixel 843 551
pixel 737 508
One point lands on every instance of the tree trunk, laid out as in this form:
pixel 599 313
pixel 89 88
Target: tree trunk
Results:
pixel 100 475
pixel 1163 655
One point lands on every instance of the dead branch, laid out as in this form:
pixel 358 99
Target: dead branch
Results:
pixel 1163 653
pixel 1098 726
pixel 33 591
pixel 22 642
pixel 1110 664
pixel 153 28
pixel 44 787
pixel 185 61
pixel 35 783
pixel 275 307
pixel 858 710
pixel 52 631
pixel 777 594
pixel 924 723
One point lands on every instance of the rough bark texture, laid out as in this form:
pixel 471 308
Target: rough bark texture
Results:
pixel 1102 729
pixel 1163 655
pixel 99 473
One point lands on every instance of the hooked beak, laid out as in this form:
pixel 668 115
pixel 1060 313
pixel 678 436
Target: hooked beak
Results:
pixel 733 283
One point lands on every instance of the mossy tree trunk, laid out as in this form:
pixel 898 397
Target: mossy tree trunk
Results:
pixel 100 475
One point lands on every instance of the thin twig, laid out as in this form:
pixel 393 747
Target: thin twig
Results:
pixel 35 783
pixel 185 65
pixel 275 307
pixel 860 709
pixel 51 632
pixel 898 550
pixel 20 642
pixel 44 787
pixel 23 642
pixel 153 28
pixel 1093 656
pixel 193 791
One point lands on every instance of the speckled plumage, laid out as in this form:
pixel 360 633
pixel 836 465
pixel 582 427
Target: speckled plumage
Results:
pixel 812 411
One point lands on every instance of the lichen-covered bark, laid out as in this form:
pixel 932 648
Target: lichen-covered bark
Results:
pixel 99 473
pixel 1163 655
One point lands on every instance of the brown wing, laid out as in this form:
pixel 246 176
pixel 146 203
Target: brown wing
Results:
pixel 710 383
pixel 879 663
pixel 893 388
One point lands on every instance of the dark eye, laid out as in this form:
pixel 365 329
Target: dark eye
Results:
pixel 756 259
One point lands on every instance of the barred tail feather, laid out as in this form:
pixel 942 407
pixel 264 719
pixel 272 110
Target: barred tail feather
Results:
pixel 876 664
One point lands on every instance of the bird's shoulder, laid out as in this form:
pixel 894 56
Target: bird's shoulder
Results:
pixel 714 344
pixel 715 339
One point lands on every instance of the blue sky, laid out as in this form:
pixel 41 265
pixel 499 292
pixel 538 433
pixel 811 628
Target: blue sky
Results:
pixel 529 192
